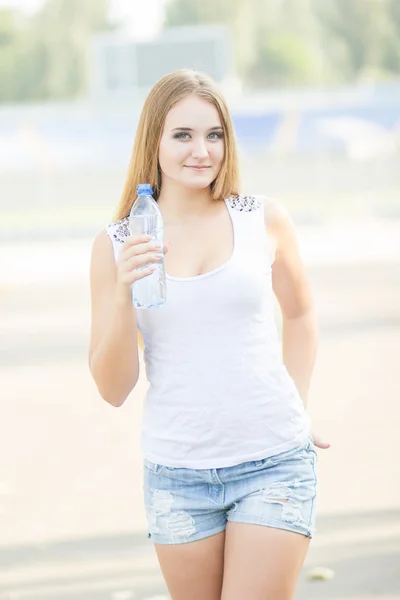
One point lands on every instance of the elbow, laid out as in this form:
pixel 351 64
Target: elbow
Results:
pixel 116 395
pixel 113 400
pixel 113 386
pixel 114 392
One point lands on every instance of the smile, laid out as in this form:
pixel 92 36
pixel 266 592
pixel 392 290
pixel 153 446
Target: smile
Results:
pixel 197 168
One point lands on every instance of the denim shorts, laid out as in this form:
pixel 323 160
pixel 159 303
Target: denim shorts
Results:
pixel 185 505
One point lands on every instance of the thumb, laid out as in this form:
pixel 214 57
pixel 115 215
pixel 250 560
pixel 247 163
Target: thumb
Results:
pixel 319 443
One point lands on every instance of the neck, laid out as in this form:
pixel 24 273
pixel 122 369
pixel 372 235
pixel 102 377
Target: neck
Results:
pixel 179 201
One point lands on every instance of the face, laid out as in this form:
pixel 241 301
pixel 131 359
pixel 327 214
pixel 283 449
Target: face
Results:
pixel 192 145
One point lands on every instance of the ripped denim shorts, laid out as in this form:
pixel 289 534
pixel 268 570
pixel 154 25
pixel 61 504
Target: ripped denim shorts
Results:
pixel 185 505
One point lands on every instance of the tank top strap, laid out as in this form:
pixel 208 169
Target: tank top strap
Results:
pixel 247 213
pixel 118 232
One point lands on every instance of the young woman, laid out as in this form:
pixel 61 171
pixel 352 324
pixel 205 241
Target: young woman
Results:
pixel 229 459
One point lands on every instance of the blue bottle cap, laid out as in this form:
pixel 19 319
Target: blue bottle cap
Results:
pixel 144 189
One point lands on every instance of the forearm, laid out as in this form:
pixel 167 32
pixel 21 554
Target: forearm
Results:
pixel 115 363
pixel 299 349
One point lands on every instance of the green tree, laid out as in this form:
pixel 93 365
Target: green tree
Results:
pixel 61 31
pixel 270 38
pixel 279 42
pixel 192 12
pixel 356 36
pixel 45 56
pixel 210 12
pixel 281 60
pixel 284 54
pixel 391 46
pixel 10 51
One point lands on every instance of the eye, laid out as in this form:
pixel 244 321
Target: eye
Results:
pixel 216 135
pixel 182 135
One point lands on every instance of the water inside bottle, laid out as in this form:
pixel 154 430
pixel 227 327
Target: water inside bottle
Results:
pixel 149 292
pixel 145 225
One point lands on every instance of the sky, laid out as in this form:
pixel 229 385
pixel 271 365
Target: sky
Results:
pixel 143 18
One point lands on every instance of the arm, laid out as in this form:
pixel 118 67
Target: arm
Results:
pixel 113 353
pixel 290 285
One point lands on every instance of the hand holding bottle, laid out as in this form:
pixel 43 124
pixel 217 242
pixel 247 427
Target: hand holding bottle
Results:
pixel 137 252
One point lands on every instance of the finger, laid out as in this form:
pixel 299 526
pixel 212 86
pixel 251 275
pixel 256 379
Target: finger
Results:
pixel 322 445
pixel 130 251
pixel 143 259
pixel 140 274
pixel 132 240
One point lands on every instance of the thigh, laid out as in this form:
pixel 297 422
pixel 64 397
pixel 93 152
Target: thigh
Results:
pixel 187 525
pixel 193 571
pixel 261 562
pixel 270 525
pixel 279 492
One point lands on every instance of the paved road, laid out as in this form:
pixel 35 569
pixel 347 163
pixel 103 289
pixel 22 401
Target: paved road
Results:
pixel 362 550
pixel 71 514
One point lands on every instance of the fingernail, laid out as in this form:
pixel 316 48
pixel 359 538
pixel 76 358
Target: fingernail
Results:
pixel 170 243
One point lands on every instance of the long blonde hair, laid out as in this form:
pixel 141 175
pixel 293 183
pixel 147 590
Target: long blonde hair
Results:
pixel 144 166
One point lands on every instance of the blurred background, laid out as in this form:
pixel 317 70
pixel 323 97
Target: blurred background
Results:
pixel 314 89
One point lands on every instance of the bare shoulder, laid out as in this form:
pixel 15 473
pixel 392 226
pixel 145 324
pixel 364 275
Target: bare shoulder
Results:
pixel 102 259
pixel 275 212
pixel 101 240
pixel 278 221
pixel 102 245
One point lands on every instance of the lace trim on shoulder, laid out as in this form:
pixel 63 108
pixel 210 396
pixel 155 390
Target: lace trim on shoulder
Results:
pixel 120 230
pixel 245 203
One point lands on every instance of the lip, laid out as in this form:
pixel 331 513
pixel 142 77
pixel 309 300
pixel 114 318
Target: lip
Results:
pixel 202 168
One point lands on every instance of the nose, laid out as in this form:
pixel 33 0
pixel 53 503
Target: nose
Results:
pixel 199 150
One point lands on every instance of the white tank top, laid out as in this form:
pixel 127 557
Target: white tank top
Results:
pixel 219 393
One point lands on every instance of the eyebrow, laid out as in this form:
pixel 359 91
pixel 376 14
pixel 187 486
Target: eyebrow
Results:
pixel 189 129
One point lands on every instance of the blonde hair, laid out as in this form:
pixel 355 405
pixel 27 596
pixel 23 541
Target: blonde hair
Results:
pixel 144 166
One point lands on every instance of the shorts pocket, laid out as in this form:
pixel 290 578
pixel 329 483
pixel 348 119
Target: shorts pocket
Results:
pixel 259 464
pixel 153 467
pixel 293 453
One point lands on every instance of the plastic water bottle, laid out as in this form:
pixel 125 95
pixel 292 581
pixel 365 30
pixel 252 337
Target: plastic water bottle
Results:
pixel 145 219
